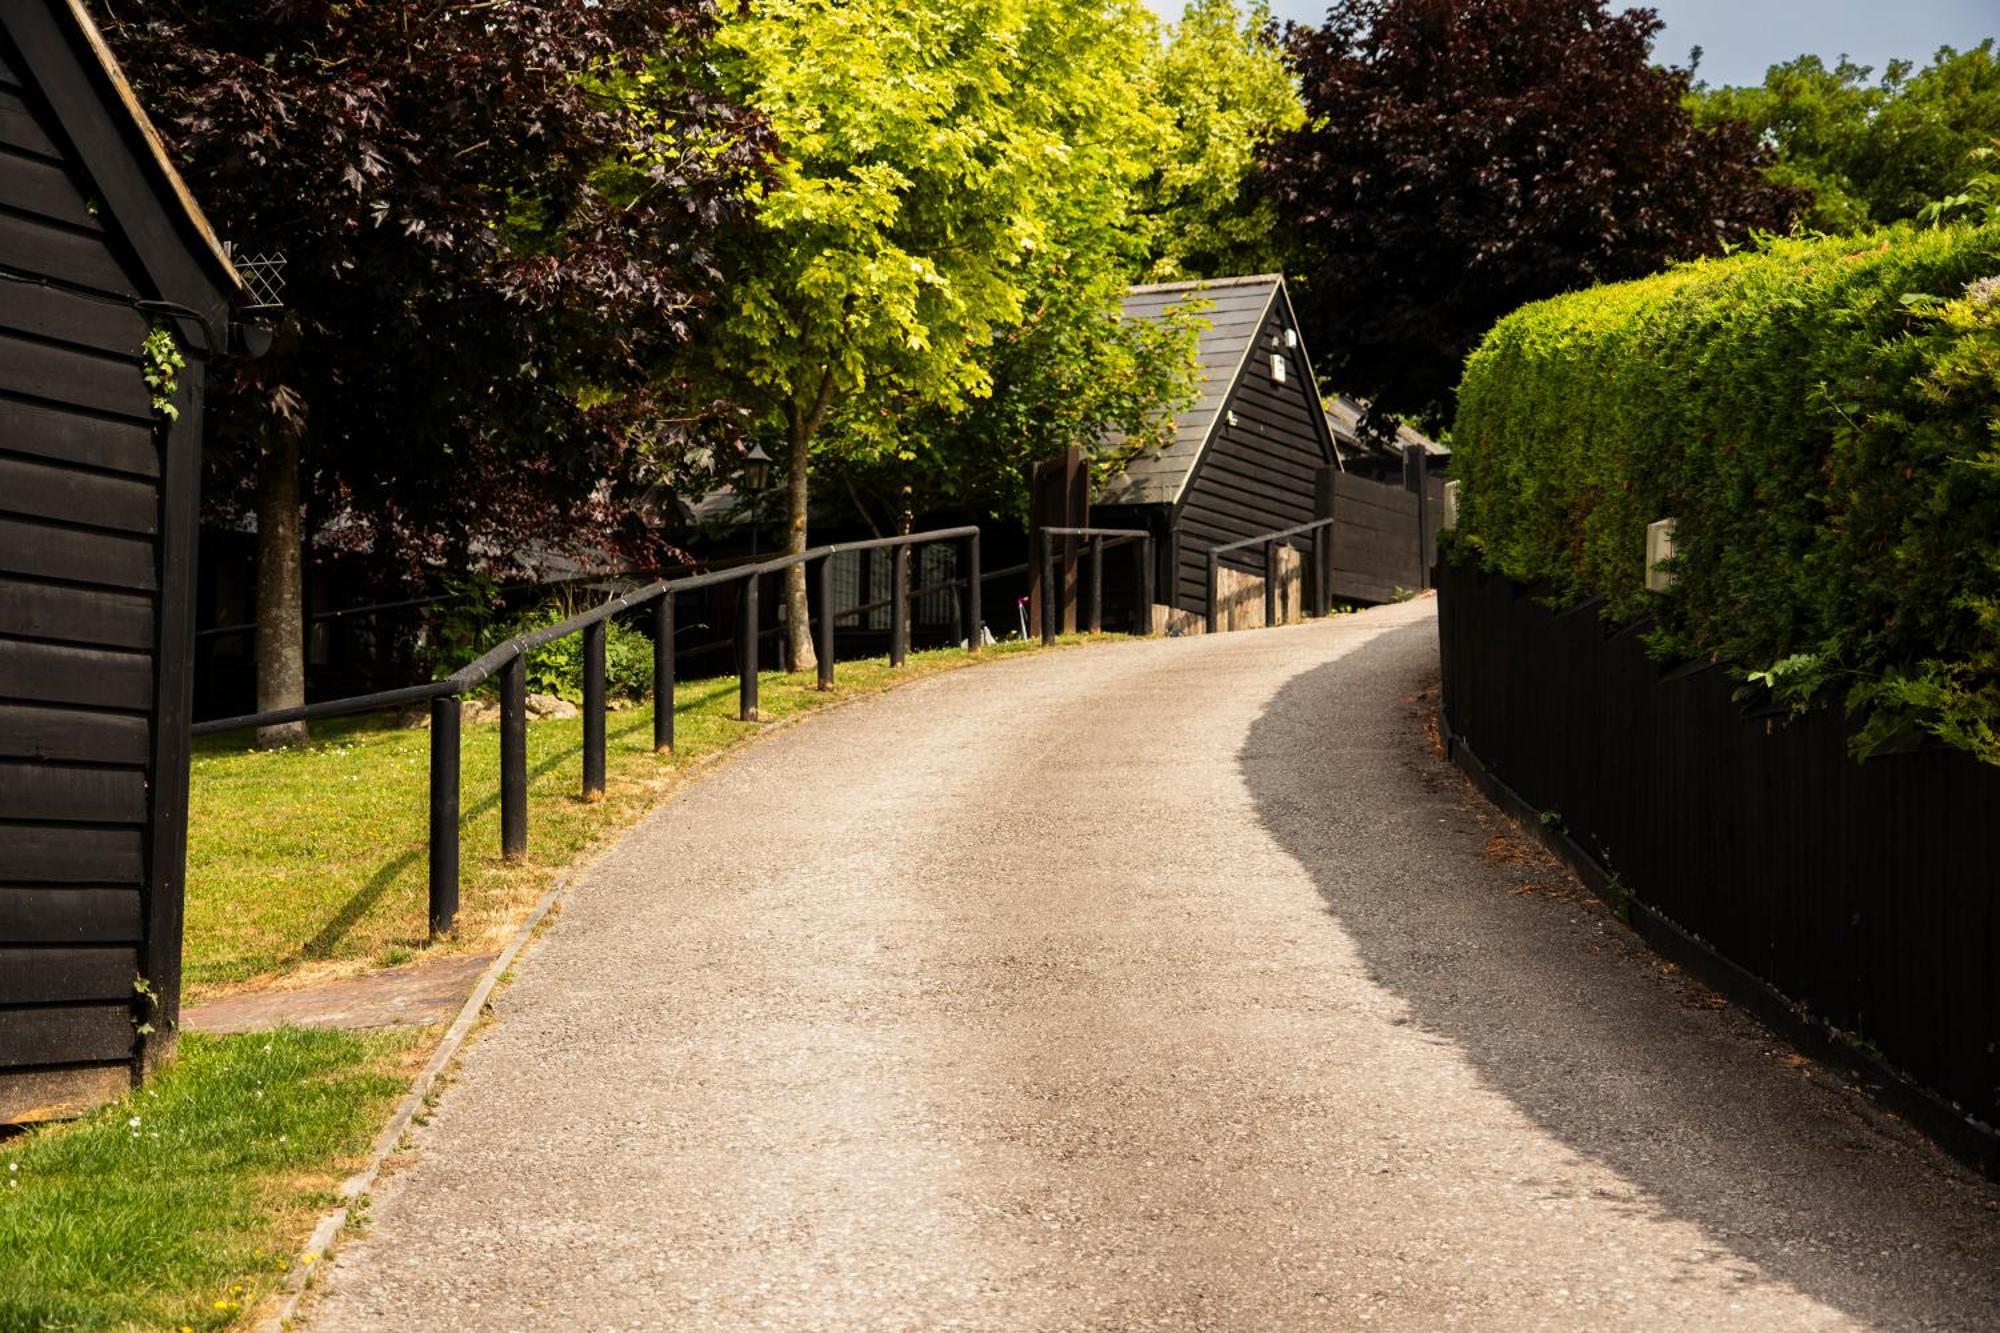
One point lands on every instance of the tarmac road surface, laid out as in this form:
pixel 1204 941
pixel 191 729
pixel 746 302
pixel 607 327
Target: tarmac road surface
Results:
pixel 1164 985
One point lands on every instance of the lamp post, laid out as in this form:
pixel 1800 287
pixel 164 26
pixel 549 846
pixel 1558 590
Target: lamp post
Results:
pixel 756 477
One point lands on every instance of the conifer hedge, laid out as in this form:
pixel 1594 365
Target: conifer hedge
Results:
pixel 1821 418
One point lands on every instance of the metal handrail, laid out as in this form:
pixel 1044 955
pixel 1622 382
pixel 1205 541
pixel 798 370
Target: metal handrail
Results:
pixel 508 662
pixel 1280 535
pixel 1271 541
pixel 1097 537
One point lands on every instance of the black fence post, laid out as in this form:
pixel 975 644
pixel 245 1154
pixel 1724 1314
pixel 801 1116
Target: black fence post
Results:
pixel 1048 589
pixel 1270 584
pixel 1416 478
pixel 1145 587
pixel 975 619
pixel 1097 585
pixel 825 644
pixel 1321 603
pixel 663 673
pixel 593 711
pixel 1326 485
pixel 1214 590
pixel 514 759
pixel 899 605
pixel 444 815
pixel 746 651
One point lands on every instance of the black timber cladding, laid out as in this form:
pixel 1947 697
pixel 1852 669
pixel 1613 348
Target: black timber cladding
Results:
pixel 97 515
pixel 1246 456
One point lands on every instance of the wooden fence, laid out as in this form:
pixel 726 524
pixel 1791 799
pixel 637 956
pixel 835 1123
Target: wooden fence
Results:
pixel 1852 904
pixel 506 665
pixel 1384 538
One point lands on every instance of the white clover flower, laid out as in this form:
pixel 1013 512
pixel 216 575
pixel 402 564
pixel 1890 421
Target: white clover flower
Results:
pixel 133 1122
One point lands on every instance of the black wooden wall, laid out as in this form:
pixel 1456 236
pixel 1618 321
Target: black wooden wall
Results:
pixel 1257 475
pixel 96 519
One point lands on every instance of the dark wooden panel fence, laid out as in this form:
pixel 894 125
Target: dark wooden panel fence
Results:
pixel 1384 538
pixel 1861 894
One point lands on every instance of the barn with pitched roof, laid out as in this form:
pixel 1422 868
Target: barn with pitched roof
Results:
pixel 107 272
pixel 1248 457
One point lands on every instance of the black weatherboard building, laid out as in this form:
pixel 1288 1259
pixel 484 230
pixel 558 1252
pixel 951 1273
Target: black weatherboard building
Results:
pixel 100 250
pixel 1246 459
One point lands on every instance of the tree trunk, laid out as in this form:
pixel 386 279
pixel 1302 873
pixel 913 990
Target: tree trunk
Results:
pixel 281 660
pixel 798 612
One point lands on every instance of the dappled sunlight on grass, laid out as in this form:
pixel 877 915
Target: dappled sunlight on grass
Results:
pixel 310 861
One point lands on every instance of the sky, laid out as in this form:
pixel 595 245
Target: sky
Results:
pixel 1740 39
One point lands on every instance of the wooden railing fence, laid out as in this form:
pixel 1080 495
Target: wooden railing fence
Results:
pixel 1096 542
pixel 508 664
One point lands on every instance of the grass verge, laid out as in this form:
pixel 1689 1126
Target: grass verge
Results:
pixel 182 1205
pixel 309 862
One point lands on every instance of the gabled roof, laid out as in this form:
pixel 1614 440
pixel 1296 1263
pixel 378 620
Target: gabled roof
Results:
pixel 147 199
pixel 1237 309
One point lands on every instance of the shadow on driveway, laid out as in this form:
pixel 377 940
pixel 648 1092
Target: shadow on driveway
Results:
pixel 1562 1011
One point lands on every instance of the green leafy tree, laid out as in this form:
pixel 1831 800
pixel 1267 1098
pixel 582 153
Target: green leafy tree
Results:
pixel 1870 153
pixel 947 168
pixel 1221 78
pixel 1070 373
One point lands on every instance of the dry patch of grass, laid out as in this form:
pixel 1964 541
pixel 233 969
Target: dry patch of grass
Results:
pixel 309 862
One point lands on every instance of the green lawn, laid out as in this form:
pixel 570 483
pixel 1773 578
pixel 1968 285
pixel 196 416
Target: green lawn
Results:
pixel 182 1205
pixel 311 860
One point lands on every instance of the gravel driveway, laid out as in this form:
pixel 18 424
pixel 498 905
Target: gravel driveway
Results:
pixel 1163 985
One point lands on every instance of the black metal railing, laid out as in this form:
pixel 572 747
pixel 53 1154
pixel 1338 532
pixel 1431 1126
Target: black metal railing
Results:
pixel 508 663
pixel 1099 540
pixel 1319 530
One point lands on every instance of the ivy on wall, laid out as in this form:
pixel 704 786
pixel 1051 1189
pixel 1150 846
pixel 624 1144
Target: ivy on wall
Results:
pixel 161 364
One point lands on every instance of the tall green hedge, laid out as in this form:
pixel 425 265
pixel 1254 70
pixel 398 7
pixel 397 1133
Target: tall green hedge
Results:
pixel 1822 419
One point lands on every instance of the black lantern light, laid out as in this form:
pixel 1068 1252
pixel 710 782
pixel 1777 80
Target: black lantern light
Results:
pixel 756 470
pixel 756 478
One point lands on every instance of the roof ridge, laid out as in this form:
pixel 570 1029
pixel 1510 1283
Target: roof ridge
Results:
pixel 152 147
pixel 1195 284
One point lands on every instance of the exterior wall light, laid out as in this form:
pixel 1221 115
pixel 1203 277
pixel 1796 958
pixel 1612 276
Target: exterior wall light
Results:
pixel 1659 550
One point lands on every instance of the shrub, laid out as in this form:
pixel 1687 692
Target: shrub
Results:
pixel 1822 419
pixel 557 668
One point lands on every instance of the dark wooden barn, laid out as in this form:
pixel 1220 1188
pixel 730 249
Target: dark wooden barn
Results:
pixel 100 249
pixel 1244 460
